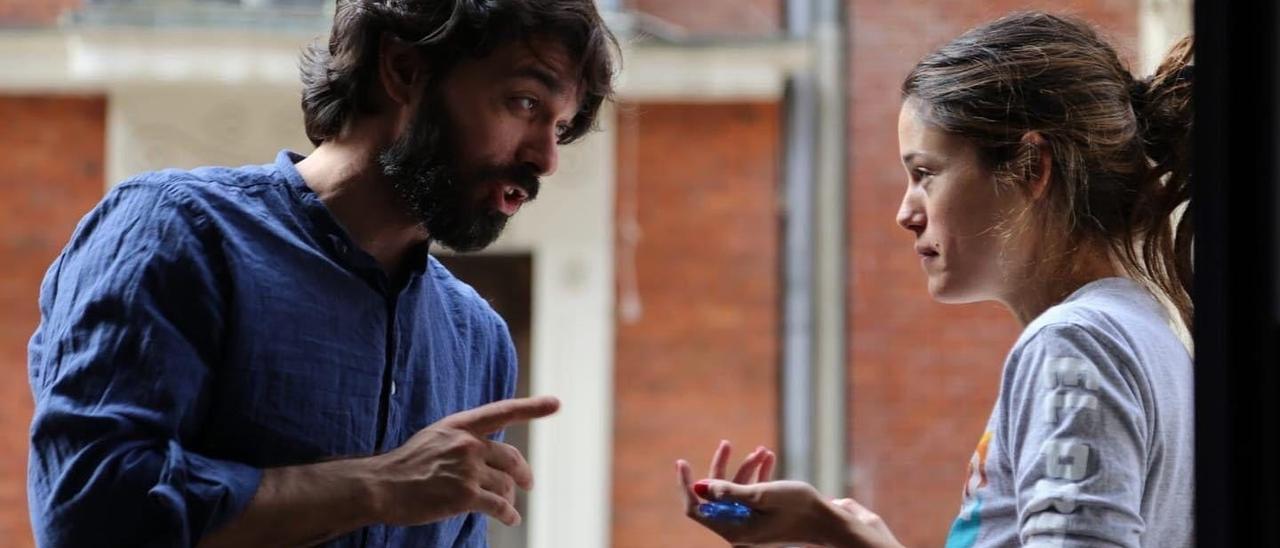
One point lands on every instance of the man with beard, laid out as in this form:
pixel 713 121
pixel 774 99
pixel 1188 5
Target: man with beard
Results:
pixel 268 355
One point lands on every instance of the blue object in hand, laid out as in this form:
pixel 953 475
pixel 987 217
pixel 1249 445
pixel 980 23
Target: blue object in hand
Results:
pixel 733 512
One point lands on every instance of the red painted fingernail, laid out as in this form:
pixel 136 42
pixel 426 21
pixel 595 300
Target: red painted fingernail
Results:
pixel 702 489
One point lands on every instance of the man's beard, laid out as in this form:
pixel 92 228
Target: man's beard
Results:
pixel 451 203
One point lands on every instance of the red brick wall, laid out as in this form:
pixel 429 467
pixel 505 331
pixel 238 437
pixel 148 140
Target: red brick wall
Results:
pixel 701 363
pixel 50 175
pixel 716 17
pixel 24 13
pixel 922 375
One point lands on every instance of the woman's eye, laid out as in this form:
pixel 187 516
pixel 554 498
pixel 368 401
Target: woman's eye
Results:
pixel 561 130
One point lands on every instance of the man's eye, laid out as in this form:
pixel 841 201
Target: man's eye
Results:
pixel 920 173
pixel 525 103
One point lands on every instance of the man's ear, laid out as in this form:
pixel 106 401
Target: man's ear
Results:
pixel 1041 170
pixel 401 69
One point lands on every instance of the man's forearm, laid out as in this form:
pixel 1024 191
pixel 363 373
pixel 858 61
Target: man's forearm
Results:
pixel 443 470
pixel 302 506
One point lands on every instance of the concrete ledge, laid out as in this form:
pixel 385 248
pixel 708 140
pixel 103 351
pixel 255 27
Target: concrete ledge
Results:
pixel 102 59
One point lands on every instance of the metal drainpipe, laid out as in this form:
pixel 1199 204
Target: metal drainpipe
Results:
pixel 813 354
pixel 797 274
pixel 830 272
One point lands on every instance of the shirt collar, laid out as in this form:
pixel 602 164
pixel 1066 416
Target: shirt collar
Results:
pixel 328 230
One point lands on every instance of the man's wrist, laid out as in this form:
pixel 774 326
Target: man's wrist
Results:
pixel 305 505
pixel 348 484
pixel 366 494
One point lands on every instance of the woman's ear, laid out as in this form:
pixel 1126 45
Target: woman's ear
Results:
pixel 401 69
pixel 1040 171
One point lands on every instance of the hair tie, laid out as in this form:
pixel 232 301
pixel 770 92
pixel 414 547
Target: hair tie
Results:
pixel 1138 92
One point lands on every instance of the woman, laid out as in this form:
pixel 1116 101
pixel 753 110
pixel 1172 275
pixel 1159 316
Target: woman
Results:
pixel 1043 176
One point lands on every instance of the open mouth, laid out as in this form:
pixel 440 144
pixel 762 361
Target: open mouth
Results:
pixel 513 192
pixel 510 197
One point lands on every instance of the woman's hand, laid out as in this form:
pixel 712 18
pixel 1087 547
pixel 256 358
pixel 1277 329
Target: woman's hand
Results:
pixel 865 528
pixel 783 512
pixel 765 527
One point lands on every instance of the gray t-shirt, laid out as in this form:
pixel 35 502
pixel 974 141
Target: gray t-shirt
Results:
pixel 1091 439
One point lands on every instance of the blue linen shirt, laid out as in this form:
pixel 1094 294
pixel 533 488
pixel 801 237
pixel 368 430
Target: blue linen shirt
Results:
pixel 203 325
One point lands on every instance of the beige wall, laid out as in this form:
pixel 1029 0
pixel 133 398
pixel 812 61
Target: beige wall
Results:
pixel 185 126
pixel 1160 24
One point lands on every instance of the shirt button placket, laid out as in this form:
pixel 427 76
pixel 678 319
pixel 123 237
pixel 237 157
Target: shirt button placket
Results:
pixel 393 405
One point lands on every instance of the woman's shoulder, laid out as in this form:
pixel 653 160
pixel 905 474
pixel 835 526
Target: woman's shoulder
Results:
pixel 1108 308
pixel 1114 324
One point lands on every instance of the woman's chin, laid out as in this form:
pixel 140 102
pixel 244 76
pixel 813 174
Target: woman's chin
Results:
pixel 946 291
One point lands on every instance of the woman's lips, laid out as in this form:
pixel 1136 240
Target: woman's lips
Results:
pixel 926 254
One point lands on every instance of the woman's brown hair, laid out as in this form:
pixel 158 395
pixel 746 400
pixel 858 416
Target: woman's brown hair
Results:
pixel 1120 146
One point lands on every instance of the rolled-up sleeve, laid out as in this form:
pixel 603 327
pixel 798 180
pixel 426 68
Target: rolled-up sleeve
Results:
pixel 132 316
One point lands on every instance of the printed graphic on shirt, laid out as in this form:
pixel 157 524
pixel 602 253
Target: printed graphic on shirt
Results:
pixel 1071 385
pixel 964 531
pixel 1073 372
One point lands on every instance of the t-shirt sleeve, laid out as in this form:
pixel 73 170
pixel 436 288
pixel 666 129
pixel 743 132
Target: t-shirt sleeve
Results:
pixel 1077 437
pixel 131 317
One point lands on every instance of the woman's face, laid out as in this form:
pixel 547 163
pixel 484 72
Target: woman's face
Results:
pixel 953 209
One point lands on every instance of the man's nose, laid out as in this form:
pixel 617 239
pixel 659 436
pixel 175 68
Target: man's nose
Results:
pixel 541 153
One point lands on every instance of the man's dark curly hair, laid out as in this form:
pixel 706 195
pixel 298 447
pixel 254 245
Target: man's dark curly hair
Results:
pixel 336 79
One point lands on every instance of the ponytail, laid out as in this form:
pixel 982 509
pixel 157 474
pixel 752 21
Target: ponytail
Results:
pixel 1163 107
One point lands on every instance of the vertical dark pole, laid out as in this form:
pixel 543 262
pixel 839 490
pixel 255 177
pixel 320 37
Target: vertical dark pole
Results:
pixel 1237 331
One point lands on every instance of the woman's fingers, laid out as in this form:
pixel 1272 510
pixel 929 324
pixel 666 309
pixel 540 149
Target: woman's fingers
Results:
pixel 747 472
pixel 720 460
pixel 684 475
pixel 766 466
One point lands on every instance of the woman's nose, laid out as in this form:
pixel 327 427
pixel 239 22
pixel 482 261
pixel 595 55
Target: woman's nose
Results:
pixel 910 214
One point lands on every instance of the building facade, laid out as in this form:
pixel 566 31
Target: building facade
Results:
pixel 654 276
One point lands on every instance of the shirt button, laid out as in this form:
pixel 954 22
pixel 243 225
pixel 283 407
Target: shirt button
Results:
pixel 393 388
